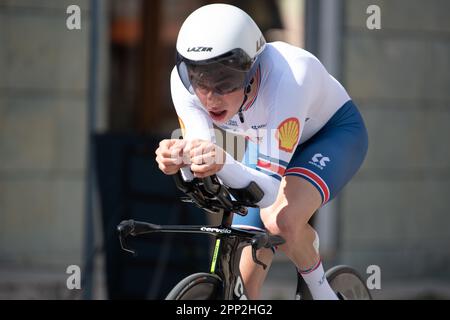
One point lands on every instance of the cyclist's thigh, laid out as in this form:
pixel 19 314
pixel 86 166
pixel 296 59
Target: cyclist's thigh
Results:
pixel 330 158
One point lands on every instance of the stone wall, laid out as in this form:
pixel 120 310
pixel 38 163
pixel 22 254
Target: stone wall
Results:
pixel 43 132
pixel 395 213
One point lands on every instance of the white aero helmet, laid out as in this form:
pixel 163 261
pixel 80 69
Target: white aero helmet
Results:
pixel 217 48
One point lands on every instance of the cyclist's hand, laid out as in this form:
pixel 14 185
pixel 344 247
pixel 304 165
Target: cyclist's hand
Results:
pixel 205 157
pixel 169 155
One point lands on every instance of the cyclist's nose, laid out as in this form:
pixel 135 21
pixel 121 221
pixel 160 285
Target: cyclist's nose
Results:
pixel 211 94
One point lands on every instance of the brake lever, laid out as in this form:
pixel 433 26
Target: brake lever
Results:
pixel 126 228
pixel 255 259
pixel 125 247
pixel 257 243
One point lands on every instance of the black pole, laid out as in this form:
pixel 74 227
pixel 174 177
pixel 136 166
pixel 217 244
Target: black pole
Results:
pixel 312 26
pixel 89 245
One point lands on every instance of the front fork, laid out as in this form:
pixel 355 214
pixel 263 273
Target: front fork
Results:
pixel 225 263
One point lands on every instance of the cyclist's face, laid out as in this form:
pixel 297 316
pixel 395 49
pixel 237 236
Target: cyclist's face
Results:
pixel 221 107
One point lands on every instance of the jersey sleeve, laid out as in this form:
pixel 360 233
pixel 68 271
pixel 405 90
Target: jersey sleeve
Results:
pixel 296 92
pixel 195 123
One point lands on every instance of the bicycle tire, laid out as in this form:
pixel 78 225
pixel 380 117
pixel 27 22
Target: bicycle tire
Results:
pixel 348 282
pixel 198 286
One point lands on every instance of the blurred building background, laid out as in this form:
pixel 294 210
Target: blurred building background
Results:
pixel 393 214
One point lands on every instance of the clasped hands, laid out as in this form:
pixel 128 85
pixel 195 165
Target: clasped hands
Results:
pixel 203 157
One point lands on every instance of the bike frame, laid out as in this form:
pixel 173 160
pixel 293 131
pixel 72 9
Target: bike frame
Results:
pixel 229 243
pixel 213 197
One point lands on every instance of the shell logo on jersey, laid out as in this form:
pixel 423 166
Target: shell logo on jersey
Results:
pixel 183 128
pixel 287 134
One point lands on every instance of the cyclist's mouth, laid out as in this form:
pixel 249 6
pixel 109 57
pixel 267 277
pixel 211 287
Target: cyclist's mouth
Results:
pixel 218 115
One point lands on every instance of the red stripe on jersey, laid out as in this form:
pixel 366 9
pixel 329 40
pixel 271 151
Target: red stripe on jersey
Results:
pixel 271 167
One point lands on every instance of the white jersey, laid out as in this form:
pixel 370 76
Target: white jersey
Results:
pixel 295 98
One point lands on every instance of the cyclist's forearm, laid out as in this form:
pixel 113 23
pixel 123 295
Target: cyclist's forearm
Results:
pixel 236 175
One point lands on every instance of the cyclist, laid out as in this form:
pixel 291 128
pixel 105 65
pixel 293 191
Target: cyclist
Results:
pixel 305 134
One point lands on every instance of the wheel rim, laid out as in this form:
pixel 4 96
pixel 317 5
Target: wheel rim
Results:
pixel 351 286
pixel 200 291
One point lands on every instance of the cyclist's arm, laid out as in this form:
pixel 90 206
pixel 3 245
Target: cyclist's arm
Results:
pixel 236 175
pixel 194 121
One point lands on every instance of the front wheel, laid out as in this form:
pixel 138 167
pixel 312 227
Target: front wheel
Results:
pixel 348 282
pixel 198 286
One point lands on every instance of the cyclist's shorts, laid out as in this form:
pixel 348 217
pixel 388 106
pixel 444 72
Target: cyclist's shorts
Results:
pixel 328 160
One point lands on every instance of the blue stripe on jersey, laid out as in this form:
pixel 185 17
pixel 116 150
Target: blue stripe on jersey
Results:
pixel 269 173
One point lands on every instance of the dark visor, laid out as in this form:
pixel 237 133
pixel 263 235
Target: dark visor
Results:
pixel 223 74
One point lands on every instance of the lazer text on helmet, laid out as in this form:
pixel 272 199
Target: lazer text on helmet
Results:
pixel 200 49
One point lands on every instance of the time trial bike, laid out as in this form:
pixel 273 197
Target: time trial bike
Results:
pixel 224 281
